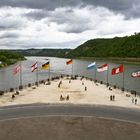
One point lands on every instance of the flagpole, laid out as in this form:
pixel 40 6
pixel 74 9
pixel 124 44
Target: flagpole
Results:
pixel 95 73
pixel 20 73
pixel 123 80
pixel 72 67
pixel 107 75
pixel 49 70
pixel 37 74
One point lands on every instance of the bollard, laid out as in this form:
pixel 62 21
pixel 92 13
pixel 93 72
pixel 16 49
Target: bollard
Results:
pixel 114 86
pixel 107 84
pixel 1 93
pixel 101 82
pixel 122 89
pixel 11 89
pixel 29 84
pixel 20 87
pixel 133 92
pixel 95 81
pixel 36 83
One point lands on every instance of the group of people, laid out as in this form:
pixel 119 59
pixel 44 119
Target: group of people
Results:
pixel 112 97
pixel 14 95
pixel 61 97
pixel 85 86
pixel 64 98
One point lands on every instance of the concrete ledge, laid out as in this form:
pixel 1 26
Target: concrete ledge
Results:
pixel 68 128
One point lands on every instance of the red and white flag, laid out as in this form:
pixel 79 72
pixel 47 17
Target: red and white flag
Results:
pixel 16 69
pixel 118 70
pixel 136 74
pixel 69 62
pixel 102 68
pixel 34 67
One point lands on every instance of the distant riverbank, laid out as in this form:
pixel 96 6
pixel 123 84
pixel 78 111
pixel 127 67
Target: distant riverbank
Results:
pixel 8 58
pixel 114 59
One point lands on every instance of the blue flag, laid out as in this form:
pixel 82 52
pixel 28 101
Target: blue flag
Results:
pixel 91 66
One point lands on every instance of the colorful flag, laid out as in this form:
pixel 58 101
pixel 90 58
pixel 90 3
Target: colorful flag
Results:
pixel 118 70
pixel 92 65
pixel 16 69
pixel 34 67
pixel 136 74
pixel 69 62
pixel 46 65
pixel 102 68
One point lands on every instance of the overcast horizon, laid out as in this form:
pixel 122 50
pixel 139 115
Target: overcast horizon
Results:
pixel 26 24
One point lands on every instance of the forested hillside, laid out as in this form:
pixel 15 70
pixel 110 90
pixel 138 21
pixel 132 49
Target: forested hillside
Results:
pixel 115 47
pixel 8 58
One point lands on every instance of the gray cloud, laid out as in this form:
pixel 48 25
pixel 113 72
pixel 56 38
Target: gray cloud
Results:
pixel 10 24
pixel 47 23
pixel 9 27
pixel 39 4
pixel 69 21
pixel 66 18
pixel 18 44
pixel 36 15
pixel 126 7
pixel 9 35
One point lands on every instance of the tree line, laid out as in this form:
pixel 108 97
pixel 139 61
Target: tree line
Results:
pixel 9 58
pixel 128 46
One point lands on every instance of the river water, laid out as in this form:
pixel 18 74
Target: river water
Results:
pixel 58 67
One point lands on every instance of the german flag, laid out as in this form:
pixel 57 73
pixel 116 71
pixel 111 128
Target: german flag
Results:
pixel 46 66
pixel 69 62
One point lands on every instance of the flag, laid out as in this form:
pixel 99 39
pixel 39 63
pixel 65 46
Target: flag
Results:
pixel 69 62
pixel 136 74
pixel 92 65
pixel 102 68
pixel 118 70
pixel 34 67
pixel 16 69
pixel 46 65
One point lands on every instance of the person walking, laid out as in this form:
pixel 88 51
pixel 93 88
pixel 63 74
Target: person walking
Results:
pixel 135 101
pixel 113 97
pixel 110 97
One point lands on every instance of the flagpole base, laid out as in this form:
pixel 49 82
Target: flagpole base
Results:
pixel 11 89
pixel 95 81
pixel 36 83
pixel 101 82
pixel 122 89
pixel 29 84
pixel 114 86
pixel 1 92
pixel 20 87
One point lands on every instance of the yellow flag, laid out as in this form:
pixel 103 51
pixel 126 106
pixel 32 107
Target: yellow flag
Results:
pixel 46 66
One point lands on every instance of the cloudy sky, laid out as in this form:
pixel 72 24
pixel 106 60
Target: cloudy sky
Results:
pixel 64 23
